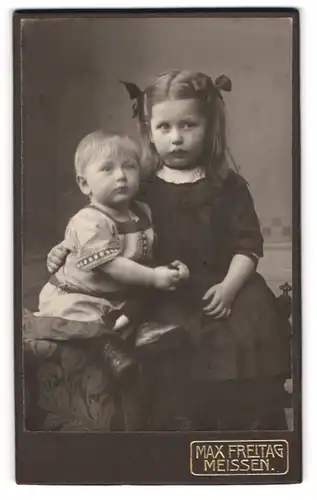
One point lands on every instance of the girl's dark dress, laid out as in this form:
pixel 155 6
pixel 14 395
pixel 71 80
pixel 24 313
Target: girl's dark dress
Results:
pixel 233 374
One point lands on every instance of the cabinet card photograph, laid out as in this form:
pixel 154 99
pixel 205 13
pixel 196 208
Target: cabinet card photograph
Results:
pixel 157 269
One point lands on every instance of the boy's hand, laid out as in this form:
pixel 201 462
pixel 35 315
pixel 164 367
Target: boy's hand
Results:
pixel 217 301
pixel 183 271
pixel 165 278
pixel 56 258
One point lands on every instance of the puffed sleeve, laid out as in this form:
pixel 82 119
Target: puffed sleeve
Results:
pixel 246 237
pixel 95 239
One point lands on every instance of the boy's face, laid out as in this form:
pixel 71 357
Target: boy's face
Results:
pixel 112 180
pixel 178 131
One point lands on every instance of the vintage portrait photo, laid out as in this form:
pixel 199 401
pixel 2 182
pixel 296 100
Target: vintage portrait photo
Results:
pixel 156 175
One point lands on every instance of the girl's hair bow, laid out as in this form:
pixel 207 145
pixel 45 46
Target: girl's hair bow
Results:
pixel 136 95
pixel 222 83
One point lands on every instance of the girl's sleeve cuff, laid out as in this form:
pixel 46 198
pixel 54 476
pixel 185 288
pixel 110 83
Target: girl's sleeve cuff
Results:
pixel 253 256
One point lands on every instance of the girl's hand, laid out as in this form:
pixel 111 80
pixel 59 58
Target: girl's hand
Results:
pixel 165 278
pixel 56 258
pixel 217 301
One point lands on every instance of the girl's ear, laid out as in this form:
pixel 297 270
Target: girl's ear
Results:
pixel 145 129
pixel 83 186
pixel 150 134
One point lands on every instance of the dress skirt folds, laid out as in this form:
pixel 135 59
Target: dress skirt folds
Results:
pixel 252 343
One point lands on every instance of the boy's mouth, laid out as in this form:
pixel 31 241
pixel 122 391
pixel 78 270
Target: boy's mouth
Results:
pixel 121 189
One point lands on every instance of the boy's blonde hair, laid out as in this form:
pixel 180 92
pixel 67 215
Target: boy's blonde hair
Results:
pixel 99 144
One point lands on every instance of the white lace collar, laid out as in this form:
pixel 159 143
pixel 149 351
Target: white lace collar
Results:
pixel 174 176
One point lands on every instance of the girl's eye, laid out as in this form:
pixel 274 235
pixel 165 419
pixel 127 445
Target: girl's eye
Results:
pixel 188 125
pixel 163 126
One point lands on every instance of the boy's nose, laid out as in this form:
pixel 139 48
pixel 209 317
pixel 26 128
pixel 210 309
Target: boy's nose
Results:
pixel 120 173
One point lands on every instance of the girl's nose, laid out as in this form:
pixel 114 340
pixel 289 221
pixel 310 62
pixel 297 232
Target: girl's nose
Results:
pixel 176 136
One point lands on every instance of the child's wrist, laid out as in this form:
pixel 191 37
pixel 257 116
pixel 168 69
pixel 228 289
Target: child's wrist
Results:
pixel 152 278
pixel 159 280
pixel 155 278
pixel 231 288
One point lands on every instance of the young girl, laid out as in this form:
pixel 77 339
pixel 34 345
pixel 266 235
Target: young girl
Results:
pixel 203 214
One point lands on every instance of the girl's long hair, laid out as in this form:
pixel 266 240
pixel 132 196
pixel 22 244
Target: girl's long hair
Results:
pixel 188 85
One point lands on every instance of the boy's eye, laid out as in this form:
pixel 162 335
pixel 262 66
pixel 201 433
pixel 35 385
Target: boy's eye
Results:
pixel 106 167
pixel 130 166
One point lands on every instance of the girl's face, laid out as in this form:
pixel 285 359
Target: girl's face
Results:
pixel 178 131
pixel 111 180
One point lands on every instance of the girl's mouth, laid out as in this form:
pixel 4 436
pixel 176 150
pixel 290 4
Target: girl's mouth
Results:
pixel 179 153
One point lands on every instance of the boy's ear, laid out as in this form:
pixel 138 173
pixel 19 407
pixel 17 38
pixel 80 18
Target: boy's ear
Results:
pixel 83 186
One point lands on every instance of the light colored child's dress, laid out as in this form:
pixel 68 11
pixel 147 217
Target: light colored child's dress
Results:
pixel 67 382
pixel 79 290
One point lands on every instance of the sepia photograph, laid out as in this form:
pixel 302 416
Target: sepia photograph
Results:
pixel 157 232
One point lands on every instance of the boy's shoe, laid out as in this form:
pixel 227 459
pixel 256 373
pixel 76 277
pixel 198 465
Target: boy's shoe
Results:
pixel 119 361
